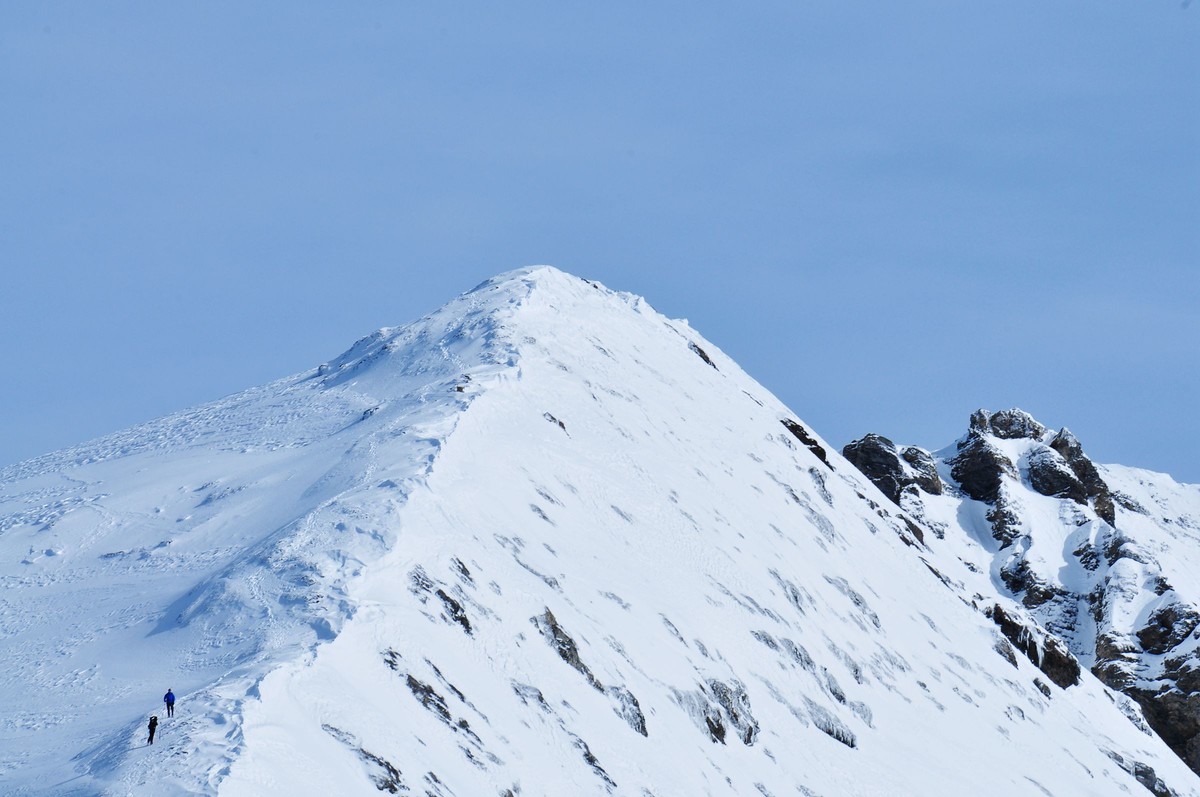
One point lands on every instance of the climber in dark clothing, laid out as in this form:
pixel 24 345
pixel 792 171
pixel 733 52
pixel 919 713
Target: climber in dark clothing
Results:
pixel 153 727
pixel 169 699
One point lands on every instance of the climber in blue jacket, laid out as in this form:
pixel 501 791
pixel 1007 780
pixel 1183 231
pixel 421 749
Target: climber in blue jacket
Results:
pixel 169 699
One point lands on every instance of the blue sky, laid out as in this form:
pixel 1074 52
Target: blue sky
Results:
pixel 890 214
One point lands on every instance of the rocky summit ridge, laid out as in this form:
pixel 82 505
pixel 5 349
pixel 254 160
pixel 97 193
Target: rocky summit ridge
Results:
pixel 546 541
pixel 1100 556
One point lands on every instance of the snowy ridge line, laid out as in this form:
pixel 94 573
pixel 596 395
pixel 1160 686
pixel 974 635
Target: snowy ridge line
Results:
pixel 523 645
pixel 292 562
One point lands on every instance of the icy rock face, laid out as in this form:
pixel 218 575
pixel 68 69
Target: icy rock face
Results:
pixel 1097 560
pixel 546 541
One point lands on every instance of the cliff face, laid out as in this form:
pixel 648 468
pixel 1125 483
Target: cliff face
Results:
pixel 1099 556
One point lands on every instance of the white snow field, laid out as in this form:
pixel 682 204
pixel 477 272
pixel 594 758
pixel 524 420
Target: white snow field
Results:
pixel 544 541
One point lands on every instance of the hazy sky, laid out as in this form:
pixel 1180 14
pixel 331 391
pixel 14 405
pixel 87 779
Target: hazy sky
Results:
pixel 889 213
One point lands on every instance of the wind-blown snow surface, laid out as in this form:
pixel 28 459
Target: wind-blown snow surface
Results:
pixel 544 541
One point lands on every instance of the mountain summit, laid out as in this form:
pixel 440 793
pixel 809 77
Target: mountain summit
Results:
pixel 544 541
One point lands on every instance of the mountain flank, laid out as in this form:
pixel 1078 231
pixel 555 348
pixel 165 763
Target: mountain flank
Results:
pixel 547 541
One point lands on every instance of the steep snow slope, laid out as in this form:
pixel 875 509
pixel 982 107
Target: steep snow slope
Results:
pixel 196 551
pixel 544 541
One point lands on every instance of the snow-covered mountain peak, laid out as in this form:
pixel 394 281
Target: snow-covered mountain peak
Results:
pixel 541 541
pixel 485 327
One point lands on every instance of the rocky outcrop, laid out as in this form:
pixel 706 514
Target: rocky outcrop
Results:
pixel 717 707
pixel 1067 446
pixel 1167 628
pixel 1153 659
pixel 924 470
pixel 1174 714
pixel 1144 774
pixel 1007 424
pixel 805 437
pixel 1050 475
pixel 1045 651
pixel 893 470
pixel 980 468
pixel 624 703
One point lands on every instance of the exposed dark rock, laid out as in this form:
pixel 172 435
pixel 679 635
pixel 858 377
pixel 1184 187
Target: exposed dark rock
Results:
pixel 890 469
pixel 1094 487
pixel 1174 716
pixel 1034 591
pixel 914 529
pixel 1050 475
pixel 1017 632
pixel 628 708
pixel 531 695
pixel 1070 449
pixel 925 468
pixel 625 704
pixel 593 762
pixel 1088 556
pixel 1116 658
pixel 878 460
pixel 704 712
pixel 1144 774
pixel 702 354
pixel 386 777
pixel 1046 652
pixel 798 654
pixel 1013 424
pixel 833 687
pixel 1006 524
pixel 716 728
pixel 1005 649
pixel 419 583
pixel 429 698
pixel 1058 663
pixel 564 645
pixel 1167 627
pixel 455 611
pixel 1105 509
pixel 1006 424
pixel 1184 672
pixel 1127 502
pixel 807 439
pixel 942 577
pixel 980 422
pixel 733 699
pixel 979 468
pixel 766 639
pixel 463 572
pixel 453 689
